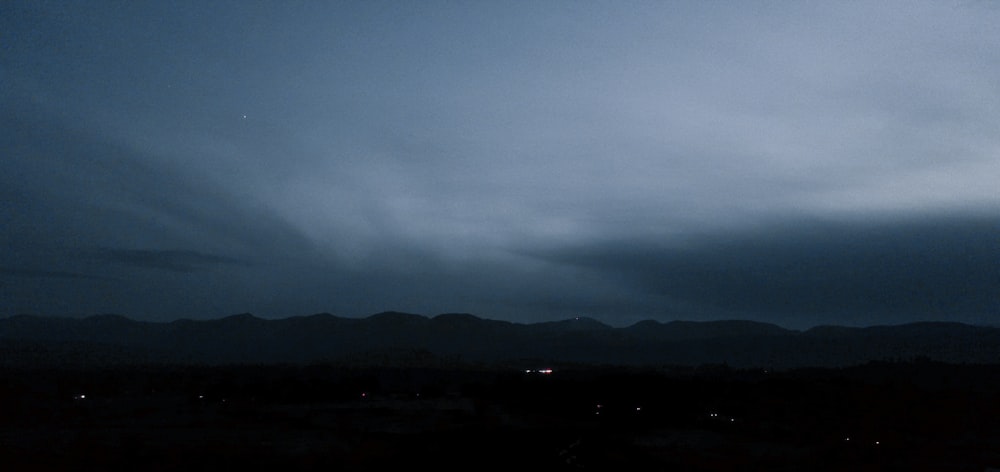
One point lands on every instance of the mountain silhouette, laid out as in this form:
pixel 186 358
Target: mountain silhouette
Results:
pixel 460 337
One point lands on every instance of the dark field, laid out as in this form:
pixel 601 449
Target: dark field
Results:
pixel 880 416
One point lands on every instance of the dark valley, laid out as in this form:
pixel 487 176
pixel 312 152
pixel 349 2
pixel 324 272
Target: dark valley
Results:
pixel 456 392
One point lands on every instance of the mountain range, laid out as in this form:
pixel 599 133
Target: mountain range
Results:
pixel 402 339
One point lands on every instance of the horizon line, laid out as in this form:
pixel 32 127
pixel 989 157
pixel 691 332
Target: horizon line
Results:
pixel 431 317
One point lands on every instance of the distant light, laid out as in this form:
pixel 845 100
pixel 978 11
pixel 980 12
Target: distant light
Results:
pixel 731 420
pixel 638 408
pixel 79 397
pixel 200 397
pixel 847 439
pixel 539 371
pixel 364 394
pixel 876 443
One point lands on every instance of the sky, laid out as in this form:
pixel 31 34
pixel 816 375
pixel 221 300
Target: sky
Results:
pixel 800 163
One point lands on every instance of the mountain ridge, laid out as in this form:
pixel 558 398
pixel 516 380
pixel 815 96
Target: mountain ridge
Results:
pixel 323 337
pixel 408 315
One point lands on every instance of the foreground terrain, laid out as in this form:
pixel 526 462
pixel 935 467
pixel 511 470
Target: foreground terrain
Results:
pixel 919 415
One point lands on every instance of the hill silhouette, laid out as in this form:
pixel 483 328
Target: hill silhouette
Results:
pixel 459 337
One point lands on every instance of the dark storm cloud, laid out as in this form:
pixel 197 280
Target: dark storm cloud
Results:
pixel 75 201
pixel 934 267
pixel 74 188
pixel 177 261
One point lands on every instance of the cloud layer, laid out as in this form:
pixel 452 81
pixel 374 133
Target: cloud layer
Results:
pixel 809 163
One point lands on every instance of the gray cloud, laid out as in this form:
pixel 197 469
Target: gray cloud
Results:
pixel 518 159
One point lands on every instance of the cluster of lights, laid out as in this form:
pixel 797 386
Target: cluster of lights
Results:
pixel 538 371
